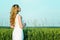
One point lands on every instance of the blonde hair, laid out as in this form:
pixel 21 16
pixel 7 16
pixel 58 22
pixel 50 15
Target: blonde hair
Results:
pixel 13 15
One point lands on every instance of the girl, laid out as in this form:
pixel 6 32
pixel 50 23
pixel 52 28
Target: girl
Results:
pixel 16 23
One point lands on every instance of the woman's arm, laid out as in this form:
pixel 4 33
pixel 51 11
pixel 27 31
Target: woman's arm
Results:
pixel 20 21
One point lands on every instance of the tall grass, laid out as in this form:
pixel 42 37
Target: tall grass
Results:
pixel 32 33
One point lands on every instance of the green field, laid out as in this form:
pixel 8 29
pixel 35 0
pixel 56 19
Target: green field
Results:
pixel 33 33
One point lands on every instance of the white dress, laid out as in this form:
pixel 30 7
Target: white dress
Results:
pixel 17 32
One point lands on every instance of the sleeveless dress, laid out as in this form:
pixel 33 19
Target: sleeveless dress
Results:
pixel 17 32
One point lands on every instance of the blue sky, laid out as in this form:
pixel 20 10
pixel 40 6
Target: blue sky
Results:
pixel 39 12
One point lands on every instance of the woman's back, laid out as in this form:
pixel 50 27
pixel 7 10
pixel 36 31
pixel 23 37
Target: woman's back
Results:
pixel 16 21
pixel 17 32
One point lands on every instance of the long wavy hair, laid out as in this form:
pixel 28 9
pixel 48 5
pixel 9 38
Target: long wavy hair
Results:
pixel 13 15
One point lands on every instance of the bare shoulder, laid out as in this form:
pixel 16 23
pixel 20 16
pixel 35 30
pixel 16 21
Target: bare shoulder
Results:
pixel 19 16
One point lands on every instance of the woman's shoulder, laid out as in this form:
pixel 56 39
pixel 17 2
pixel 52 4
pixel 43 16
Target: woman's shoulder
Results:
pixel 19 15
